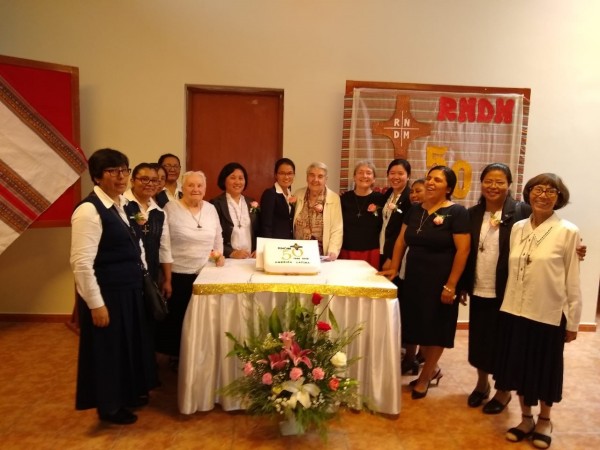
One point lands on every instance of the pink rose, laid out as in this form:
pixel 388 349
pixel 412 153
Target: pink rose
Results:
pixel 334 383
pixel 254 208
pixel 372 207
pixel 267 378
pixel 323 326
pixel 438 220
pixel 391 206
pixel 316 299
pixel 291 200
pixel 295 373
pixel 318 373
pixel 318 208
pixel 248 369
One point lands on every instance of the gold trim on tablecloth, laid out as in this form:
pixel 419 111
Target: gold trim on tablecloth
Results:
pixel 323 289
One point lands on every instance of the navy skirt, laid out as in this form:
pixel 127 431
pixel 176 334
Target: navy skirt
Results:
pixel 530 358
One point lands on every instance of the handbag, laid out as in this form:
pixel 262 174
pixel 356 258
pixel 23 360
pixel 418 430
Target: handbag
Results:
pixel 155 301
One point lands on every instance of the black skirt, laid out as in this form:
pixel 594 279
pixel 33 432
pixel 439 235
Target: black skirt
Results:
pixel 168 335
pixel 483 329
pixel 116 363
pixel 530 358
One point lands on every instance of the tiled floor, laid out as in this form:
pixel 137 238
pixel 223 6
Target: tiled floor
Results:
pixel 37 383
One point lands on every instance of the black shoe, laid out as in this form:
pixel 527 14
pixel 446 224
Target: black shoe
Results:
pixel 142 400
pixel 516 434
pixel 121 417
pixel 416 395
pixel 494 406
pixel 477 397
pixel 542 440
pixel 409 366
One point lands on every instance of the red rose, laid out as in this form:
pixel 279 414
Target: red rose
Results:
pixel 323 326
pixel 334 383
pixel 316 299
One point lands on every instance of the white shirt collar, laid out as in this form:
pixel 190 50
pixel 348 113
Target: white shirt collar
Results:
pixel 107 201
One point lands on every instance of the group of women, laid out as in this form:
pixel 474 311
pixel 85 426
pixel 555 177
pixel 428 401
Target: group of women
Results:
pixel 516 261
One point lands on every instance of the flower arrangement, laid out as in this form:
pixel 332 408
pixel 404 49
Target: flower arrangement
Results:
pixel 439 218
pixel 140 218
pixel 214 256
pixel 496 219
pixel 293 367
pixel 254 207
pixel 373 208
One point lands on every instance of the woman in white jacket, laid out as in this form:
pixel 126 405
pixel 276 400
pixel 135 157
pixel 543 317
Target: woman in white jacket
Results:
pixel 319 212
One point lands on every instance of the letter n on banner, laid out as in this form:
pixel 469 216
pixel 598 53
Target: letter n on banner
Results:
pixel 463 127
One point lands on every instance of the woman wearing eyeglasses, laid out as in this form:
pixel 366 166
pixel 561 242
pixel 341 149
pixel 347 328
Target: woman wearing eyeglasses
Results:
pixel 541 307
pixel 150 223
pixel 485 275
pixel 172 189
pixel 116 367
pixel 277 203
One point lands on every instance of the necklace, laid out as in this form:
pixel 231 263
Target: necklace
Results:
pixel 196 219
pixel 530 251
pixel 362 204
pixel 237 209
pixel 423 220
pixel 490 228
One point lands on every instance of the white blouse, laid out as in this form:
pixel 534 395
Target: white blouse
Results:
pixel 193 237
pixel 487 259
pixel 543 272
pixel 86 232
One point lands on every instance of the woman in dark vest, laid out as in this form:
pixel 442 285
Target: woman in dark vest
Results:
pixel 116 367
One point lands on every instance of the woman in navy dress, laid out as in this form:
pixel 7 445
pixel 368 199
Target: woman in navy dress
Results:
pixel 116 366
pixel 277 203
pixel 437 233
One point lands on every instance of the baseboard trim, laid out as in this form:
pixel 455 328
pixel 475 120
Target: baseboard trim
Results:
pixel 49 318
pixel 582 327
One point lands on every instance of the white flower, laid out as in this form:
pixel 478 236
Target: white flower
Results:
pixel 300 392
pixel 339 359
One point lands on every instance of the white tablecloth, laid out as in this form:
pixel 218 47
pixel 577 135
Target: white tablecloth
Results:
pixel 220 303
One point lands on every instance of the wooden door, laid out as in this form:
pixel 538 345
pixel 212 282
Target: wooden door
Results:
pixel 226 124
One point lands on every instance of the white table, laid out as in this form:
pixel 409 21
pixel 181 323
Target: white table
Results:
pixel 220 303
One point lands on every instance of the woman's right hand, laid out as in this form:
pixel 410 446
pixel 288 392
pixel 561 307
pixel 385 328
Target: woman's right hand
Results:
pixel 239 254
pixel 100 317
pixel 390 274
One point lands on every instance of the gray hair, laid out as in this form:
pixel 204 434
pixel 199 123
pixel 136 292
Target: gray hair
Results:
pixel 317 165
pixel 369 164
pixel 192 172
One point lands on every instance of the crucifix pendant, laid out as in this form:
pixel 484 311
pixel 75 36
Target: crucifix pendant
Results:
pixel 239 225
pixel 199 226
pixel 481 248
pixel 419 230
pixel 359 214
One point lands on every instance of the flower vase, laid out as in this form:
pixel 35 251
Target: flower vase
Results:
pixel 290 426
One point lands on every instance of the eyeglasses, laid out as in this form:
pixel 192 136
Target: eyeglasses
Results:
pixel 490 183
pixel 147 180
pixel 539 190
pixel 286 174
pixel 171 166
pixel 117 172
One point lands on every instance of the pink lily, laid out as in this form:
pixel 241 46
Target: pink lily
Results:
pixel 278 360
pixel 297 355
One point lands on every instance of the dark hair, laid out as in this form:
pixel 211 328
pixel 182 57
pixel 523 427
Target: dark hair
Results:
pixel 283 161
pixel 103 159
pixel 228 170
pixel 418 181
pixel 497 166
pixel 168 155
pixel 140 166
pixel 450 176
pixel 548 179
pixel 399 162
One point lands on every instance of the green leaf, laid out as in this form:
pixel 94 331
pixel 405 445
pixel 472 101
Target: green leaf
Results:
pixel 275 324
pixel 334 323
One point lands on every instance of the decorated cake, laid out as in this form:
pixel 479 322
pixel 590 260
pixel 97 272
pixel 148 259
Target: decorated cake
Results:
pixel 288 256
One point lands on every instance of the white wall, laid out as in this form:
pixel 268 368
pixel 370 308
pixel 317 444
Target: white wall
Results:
pixel 136 56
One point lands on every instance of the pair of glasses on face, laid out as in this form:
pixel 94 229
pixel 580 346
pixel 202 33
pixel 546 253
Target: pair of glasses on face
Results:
pixel 118 171
pixel 539 190
pixel 171 166
pixel 147 180
pixel 490 183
